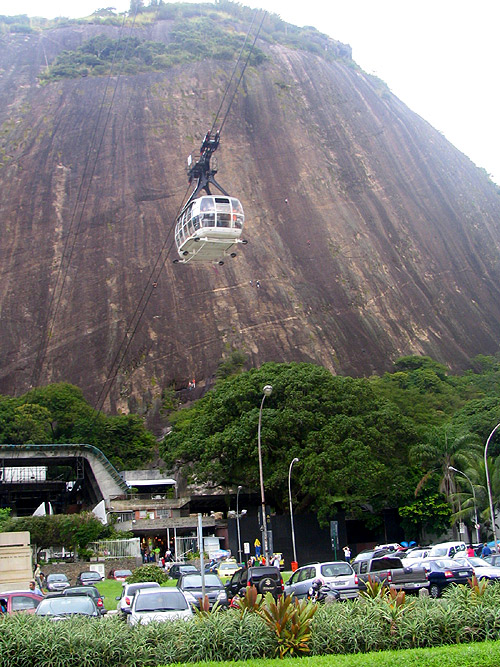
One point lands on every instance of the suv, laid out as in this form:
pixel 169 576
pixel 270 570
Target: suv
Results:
pixel 266 579
pixel 338 574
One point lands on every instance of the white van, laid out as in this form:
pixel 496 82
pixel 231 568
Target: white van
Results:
pixel 446 549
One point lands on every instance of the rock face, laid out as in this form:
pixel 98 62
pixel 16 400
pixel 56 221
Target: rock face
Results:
pixel 371 236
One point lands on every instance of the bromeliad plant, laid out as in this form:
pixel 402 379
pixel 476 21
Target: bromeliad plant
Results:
pixel 250 601
pixel 375 590
pixel 290 620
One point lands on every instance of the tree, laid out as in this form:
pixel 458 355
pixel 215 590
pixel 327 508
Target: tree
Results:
pixel 352 446
pixel 445 447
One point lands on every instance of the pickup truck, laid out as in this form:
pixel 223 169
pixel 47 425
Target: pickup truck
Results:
pixel 392 570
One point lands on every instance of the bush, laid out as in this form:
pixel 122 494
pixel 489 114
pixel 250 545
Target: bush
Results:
pixel 148 573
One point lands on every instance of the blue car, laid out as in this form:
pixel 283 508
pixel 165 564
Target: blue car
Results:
pixel 441 572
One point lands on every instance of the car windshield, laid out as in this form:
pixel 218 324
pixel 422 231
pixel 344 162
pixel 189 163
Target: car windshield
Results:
pixel 193 581
pixel 90 575
pixel 123 573
pixel 82 590
pixel 336 569
pixel 56 577
pixel 228 566
pixel 477 562
pixel 131 589
pixel 447 564
pixel 64 606
pixel 162 600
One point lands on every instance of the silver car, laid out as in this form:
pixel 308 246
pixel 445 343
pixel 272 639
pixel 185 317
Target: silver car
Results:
pixel 482 569
pixel 338 574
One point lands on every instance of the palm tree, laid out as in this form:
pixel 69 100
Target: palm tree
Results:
pixel 446 447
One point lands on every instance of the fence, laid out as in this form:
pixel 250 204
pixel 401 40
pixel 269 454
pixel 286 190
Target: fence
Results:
pixel 118 548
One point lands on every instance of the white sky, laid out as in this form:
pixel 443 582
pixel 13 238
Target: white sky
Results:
pixel 440 57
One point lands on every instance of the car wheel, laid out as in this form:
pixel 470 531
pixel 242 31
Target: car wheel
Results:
pixel 434 591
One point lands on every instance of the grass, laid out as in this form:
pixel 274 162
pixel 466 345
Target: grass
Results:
pixel 485 654
pixel 111 589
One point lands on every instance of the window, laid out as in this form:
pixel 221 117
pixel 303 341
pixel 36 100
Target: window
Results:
pixel 23 602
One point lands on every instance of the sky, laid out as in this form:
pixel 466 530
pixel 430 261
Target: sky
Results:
pixel 440 57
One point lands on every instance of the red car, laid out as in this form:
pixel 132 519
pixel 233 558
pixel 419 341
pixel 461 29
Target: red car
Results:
pixel 119 575
pixel 13 601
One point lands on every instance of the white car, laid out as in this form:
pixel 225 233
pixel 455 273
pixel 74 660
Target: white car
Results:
pixel 482 569
pixel 158 604
pixel 129 591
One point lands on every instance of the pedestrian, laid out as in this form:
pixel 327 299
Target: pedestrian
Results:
pixel 347 553
pixel 34 588
pixel 276 561
pixel 486 550
pixel 470 551
pixel 37 575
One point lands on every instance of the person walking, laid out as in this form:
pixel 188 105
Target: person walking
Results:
pixel 347 553
pixel 486 550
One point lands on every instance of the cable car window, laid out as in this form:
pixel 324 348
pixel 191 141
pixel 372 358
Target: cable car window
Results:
pixel 238 221
pixel 197 221
pixel 222 200
pixel 209 220
pixel 237 207
pixel 223 220
pixel 207 204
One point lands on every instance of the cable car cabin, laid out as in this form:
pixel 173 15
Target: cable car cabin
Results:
pixel 208 228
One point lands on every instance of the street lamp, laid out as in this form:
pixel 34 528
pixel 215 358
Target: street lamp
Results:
pixel 267 391
pixel 473 497
pixel 295 460
pixel 488 484
pixel 238 523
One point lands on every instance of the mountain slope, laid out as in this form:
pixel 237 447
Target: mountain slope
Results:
pixel 371 236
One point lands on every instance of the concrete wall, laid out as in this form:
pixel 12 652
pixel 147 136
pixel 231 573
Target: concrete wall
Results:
pixel 15 561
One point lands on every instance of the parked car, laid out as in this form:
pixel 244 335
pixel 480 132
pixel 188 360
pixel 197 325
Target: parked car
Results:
pixel 119 575
pixel 191 585
pixel 442 572
pixel 338 574
pixel 14 601
pixel 227 568
pixel 447 549
pixel 63 606
pixel 265 578
pixel 91 591
pixel 414 553
pixel 56 581
pixel 393 571
pixel 493 559
pixel 158 604
pixel 176 569
pixel 482 569
pixel 88 578
pixel 128 592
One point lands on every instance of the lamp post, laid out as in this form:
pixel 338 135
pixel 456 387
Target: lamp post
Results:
pixel 473 498
pixel 267 391
pixel 295 460
pixel 238 522
pixel 488 484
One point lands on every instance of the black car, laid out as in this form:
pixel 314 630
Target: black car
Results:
pixel 441 572
pixel 176 569
pixel 266 579
pixel 89 591
pixel 88 578
pixel 191 584
pixel 56 582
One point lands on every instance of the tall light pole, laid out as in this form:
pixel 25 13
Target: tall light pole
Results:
pixel 238 522
pixel 488 484
pixel 267 391
pixel 295 460
pixel 473 498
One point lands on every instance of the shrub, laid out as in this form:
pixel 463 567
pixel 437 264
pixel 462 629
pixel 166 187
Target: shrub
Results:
pixel 148 573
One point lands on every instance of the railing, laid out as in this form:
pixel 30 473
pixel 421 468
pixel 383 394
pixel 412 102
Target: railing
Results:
pixel 118 548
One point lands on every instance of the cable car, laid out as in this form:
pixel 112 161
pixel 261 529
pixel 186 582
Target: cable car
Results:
pixel 209 226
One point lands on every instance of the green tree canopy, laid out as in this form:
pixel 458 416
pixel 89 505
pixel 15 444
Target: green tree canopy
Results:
pixel 352 446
